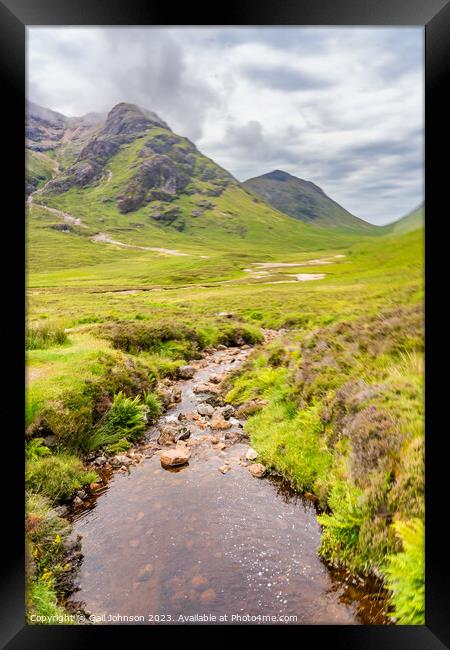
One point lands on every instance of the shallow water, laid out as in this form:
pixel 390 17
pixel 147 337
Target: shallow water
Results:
pixel 198 542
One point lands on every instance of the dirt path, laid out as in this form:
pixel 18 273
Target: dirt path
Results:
pixel 103 238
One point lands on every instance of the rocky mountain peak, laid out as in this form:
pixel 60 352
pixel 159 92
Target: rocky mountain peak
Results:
pixel 130 119
pixel 277 175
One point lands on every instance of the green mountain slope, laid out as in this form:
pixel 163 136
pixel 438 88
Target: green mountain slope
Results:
pixel 305 201
pixel 410 222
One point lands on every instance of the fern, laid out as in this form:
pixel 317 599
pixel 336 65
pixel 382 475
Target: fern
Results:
pixel 126 419
pixel 405 573
pixel 36 449
pixel 153 404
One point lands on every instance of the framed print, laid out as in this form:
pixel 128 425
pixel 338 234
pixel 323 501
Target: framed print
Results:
pixel 227 321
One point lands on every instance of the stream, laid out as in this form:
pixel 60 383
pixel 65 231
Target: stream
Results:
pixel 208 540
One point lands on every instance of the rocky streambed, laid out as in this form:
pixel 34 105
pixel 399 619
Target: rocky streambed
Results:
pixel 189 527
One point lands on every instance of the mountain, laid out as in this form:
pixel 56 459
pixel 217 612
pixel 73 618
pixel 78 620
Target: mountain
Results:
pixel 127 181
pixel 305 201
pixel 48 132
pixel 164 166
pixel 410 222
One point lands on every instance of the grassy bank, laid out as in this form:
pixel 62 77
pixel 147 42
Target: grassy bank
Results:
pixel 340 414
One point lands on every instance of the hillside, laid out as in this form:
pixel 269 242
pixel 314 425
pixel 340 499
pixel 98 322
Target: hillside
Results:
pixel 410 222
pixel 305 201
pixel 52 141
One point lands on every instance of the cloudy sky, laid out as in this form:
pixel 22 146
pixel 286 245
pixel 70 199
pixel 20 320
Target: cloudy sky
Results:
pixel 342 107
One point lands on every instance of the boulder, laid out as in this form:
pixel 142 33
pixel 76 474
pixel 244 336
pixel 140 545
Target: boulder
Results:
pixel 233 436
pixel 186 372
pixel 218 423
pixel 100 460
pixel 175 457
pixel 167 435
pixel 227 411
pixel 169 395
pixel 257 469
pixel 205 409
pixel 206 388
pixel 120 460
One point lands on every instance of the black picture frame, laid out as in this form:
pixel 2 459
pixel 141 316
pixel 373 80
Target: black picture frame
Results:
pixel 434 15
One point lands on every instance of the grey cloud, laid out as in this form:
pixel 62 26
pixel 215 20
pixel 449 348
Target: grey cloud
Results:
pixel 251 143
pixel 282 78
pixel 382 148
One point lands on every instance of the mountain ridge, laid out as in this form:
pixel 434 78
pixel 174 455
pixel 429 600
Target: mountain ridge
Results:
pixel 305 201
pixel 131 179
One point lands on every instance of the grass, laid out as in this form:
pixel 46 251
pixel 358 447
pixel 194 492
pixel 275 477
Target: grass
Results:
pixel 57 476
pixel 44 335
pixel 39 168
pixel 47 562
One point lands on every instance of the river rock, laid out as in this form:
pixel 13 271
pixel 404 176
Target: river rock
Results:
pixel 120 459
pixel 205 388
pixel 228 411
pixel 100 460
pixel 176 395
pixel 145 573
pixel 224 469
pixel 218 423
pixel 169 396
pixel 215 379
pixel 183 434
pixel 233 437
pixel 186 372
pixel 251 454
pixel 205 409
pixel 235 422
pixel 221 346
pixel 175 457
pixel 167 435
pixel 77 501
pixel 258 470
